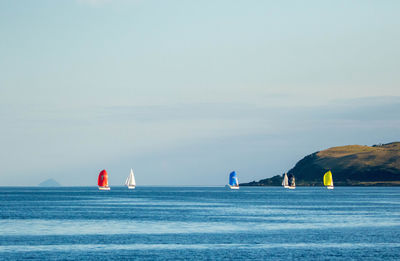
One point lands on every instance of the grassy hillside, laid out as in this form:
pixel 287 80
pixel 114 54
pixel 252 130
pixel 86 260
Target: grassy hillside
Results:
pixel 350 165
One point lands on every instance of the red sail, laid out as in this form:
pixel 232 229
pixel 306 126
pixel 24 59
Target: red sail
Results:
pixel 103 179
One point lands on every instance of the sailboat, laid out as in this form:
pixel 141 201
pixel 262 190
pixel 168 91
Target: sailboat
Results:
pixel 285 182
pixel 328 181
pixel 233 181
pixel 102 181
pixel 288 182
pixel 130 181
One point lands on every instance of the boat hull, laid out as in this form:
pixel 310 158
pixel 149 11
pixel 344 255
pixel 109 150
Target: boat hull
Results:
pixel 289 187
pixel 329 187
pixel 131 187
pixel 104 188
pixel 232 187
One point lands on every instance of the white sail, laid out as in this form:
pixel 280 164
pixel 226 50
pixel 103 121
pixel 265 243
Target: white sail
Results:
pixel 285 181
pixel 130 181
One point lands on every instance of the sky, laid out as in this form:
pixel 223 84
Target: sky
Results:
pixel 184 92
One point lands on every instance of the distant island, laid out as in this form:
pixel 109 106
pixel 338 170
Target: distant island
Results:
pixel 352 165
pixel 49 183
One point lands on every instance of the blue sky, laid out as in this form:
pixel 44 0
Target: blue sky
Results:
pixel 185 91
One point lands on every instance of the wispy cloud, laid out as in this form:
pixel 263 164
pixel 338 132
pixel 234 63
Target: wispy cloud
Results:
pixel 182 135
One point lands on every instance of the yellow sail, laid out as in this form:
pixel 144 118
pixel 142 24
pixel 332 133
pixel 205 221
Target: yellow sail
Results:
pixel 328 179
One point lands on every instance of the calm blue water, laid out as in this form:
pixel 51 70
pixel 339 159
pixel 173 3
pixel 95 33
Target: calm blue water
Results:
pixel 192 223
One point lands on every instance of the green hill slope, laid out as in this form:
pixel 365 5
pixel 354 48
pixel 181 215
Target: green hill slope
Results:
pixel 351 165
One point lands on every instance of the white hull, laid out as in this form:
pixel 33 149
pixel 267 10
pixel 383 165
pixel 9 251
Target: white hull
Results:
pixel 131 187
pixel 104 188
pixel 232 187
pixel 290 187
pixel 329 187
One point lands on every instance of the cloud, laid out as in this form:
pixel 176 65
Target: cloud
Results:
pixel 172 139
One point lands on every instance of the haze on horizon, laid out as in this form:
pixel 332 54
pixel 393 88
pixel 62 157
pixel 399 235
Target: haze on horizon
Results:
pixel 185 91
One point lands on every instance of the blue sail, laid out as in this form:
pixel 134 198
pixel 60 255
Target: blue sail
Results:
pixel 233 181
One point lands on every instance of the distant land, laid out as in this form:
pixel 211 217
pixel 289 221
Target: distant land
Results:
pixel 352 165
pixel 49 183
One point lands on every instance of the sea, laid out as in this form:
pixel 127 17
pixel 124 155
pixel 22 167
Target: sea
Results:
pixel 200 223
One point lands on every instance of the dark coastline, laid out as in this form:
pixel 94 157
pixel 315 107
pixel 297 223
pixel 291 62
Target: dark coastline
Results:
pixel 351 165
